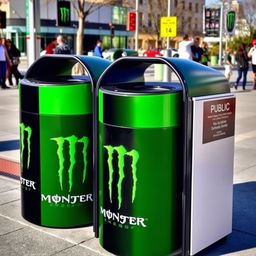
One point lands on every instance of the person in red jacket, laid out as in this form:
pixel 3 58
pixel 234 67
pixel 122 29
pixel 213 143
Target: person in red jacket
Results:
pixel 50 47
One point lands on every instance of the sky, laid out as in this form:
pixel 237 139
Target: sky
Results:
pixel 208 2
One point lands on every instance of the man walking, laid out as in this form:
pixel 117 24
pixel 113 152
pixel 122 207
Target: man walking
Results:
pixel 62 47
pixel 252 54
pixel 185 48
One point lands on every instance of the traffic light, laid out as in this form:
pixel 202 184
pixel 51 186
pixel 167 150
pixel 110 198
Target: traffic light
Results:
pixel 64 17
pixel 2 19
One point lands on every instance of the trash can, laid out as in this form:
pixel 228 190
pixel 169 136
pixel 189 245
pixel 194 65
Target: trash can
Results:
pixel 56 140
pixel 157 158
pixel 137 123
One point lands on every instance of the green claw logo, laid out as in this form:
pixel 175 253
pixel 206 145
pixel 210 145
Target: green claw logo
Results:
pixel 230 22
pixel 122 152
pixel 25 129
pixel 72 140
pixel 64 14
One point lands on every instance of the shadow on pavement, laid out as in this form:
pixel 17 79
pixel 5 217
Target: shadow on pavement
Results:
pixel 243 236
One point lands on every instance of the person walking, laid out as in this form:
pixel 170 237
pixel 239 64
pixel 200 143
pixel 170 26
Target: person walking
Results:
pixel 4 59
pixel 51 47
pixel 228 64
pixel 205 55
pixel 252 54
pixel 62 47
pixel 241 58
pixel 14 55
pixel 98 49
pixel 185 48
pixel 196 50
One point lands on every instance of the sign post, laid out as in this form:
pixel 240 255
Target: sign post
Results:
pixel 33 30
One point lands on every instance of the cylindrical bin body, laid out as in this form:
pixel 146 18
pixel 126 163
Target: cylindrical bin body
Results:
pixel 56 151
pixel 139 169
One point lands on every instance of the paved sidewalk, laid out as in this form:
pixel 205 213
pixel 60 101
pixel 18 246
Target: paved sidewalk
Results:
pixel 19 237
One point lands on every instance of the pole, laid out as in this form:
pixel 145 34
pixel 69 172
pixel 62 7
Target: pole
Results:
pixel 167 53
pixel 221 34
pixel 137 26
pixel 33 30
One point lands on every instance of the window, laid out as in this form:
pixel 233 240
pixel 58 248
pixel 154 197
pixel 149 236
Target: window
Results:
pixel 190 6
pixel 140 18
pixel 149 20
pixel 197 7
pixel 176 3
pixel 141 2
pixel 119 15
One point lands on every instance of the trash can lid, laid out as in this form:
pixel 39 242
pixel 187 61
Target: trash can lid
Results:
pixel 155 107
pixel 141 88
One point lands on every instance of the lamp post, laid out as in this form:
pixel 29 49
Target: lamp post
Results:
pixel 137 25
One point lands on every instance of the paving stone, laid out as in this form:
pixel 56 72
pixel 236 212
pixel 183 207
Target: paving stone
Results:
pixel 8 226
pixel 30 242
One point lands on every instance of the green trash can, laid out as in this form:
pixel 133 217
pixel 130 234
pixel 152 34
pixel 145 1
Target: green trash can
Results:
pixel 146 172
pixel 139 168
pixel 56 141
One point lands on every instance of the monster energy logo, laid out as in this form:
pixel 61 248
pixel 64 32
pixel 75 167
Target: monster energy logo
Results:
pixel 122 152
pixel 25 129
pixel 64 14
pixel 71 140
pixel 231 17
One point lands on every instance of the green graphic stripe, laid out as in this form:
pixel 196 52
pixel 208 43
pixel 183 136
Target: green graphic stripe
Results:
pixel 140 111
pixel 25 129
pixel 65 100
pixel 122 152
pixel 60 142
pixel 135 157
pixel 71 143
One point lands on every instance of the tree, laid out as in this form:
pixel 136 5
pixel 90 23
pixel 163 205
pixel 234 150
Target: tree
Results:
pixel 249 13
pixel 83 9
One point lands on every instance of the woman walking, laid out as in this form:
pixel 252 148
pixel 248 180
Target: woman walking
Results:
pixel 241 58
pixel 4 59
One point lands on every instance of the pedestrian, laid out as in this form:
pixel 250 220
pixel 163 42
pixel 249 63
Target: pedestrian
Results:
pixel 252 54
pixel 98 49
pixel 4 59
pixel 185 48
pixel 205 55
pixel 14 55
pixel 228 64
pixel 51 47
pixel 196 50
pixel 241 58
pixel 62 47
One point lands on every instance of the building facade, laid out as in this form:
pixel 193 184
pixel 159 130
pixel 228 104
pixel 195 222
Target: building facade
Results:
pixel 96 25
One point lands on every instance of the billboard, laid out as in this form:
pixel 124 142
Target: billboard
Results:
pixel 212 21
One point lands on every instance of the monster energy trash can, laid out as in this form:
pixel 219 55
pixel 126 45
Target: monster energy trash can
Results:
pixel 56 144
pixel 139 163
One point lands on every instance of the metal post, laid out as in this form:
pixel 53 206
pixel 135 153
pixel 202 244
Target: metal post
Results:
pixel 221 34
pixel 137 26
pixel 167 53
pixel 33 30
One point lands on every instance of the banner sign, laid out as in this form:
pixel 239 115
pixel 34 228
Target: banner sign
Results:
pixel 230 21
pixel 212 21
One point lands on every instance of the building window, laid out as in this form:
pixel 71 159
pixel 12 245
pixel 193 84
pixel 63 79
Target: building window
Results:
pixel 119 15
pixel 141 2
pixel 149 20
pixel 140 18
pixel 176 3
pixel 190 6
pixel 197 7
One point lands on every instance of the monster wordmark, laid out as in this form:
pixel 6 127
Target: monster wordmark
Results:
pixel 71 140
pixel 122 152
pixel 25 129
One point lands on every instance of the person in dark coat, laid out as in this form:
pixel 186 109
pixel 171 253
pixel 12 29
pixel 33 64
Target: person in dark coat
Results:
pixel 241 58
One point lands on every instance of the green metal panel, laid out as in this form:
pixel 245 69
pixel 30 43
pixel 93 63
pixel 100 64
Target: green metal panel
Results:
pixel 65 100
pixel 138 111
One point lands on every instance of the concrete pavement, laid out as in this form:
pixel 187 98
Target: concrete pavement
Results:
pixel 19 237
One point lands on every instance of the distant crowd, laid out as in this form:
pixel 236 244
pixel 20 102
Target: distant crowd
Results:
pixel 190 49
